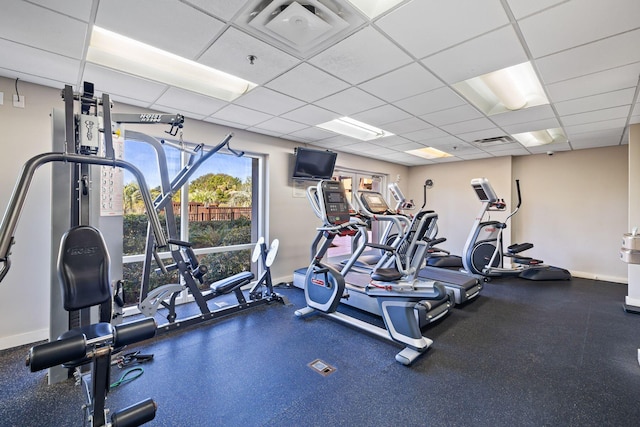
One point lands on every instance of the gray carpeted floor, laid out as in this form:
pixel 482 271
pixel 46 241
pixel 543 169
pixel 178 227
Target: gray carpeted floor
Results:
pixel 523 354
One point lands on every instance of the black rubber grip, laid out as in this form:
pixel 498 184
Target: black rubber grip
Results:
pixel 55 353
pixel 129 333
pixel 135 415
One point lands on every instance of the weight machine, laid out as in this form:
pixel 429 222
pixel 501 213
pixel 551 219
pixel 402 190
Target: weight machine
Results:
pixel 185 261
pixel 84 164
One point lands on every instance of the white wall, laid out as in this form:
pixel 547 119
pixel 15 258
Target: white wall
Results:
pixel 452 197
pixel 575 209
pixel 24 308
pixel 574 206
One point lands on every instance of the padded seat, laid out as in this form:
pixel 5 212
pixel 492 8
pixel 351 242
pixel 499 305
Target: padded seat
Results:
pixel 229 284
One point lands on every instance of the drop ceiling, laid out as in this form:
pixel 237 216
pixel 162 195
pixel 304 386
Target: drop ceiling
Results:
pixel 395 71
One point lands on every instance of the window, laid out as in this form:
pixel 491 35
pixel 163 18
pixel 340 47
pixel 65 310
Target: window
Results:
pixel 216 211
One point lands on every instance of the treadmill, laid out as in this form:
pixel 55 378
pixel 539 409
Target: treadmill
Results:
pixel 371 205
pixel 357 279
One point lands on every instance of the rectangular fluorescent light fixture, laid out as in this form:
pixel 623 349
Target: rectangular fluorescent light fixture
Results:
pixel 130 56
pixel 541 137
pixel 355 129
pixel 373 8
pixel 429 153
pixel 510 89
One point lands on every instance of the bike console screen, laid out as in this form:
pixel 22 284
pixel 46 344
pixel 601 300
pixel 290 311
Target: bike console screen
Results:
pixel 334 198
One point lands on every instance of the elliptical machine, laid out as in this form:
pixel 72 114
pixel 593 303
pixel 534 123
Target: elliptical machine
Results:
pixel 483 251
pixel 399 300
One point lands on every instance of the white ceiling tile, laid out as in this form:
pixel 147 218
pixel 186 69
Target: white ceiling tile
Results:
pixel 474 156
pixel 224 10
pixel 596 116
pixel 595 126
pixel 229 54
pixel 24 59
pixel 402 83
pixel 558 146
pixel 310 115
pixel 468 126
pixel 408 146
pixel 579 61
pixel 268 101
pixel 447 159
pixel 312 133
pixel 362 56
pixel 350 101
pixel 225 123
pixel 511 147
pixel 592 84
pixel 79 9
pixel 516 151
pixel 391 141
pixel 182 30
pixel 408 159
pixel 41 28
pixel 521 8
pixel 338 141
pixel 532 126
pixel 408 125
pixel 380 152
pixel 601 138
pixel 280 126
pixel 307 83
pixel 189 102
pixel 590 20
pixel 429 102
pixel 452 115
pixel 120 99
pixel 382 115
pixel 489 52
pixel 237 114
pixel 425 134
pixel 116 83
pixel 523 116
pixel 596 102
pixel 445 141
pixel 441 24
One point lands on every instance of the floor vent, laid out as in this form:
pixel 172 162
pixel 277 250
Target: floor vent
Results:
pixel 321 367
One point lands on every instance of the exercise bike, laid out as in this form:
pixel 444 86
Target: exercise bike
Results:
pixel 399 301
pixel 483 251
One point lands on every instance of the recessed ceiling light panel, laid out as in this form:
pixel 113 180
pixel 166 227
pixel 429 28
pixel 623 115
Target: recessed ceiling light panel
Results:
pixel 508 89
pixel 354 128
pixel 130 56
pixel 429 153
pixel 541 137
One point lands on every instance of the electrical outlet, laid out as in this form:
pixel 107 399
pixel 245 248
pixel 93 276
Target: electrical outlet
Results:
pixel 1 98
pixel 18 103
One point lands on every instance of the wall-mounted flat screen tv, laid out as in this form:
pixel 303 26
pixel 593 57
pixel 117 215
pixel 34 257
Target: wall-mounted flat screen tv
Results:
pixel 313 164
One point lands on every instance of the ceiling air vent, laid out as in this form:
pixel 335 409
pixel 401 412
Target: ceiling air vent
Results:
pixel 492 142
pixel 301 27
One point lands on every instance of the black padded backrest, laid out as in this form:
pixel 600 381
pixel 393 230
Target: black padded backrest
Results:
pixel 83 268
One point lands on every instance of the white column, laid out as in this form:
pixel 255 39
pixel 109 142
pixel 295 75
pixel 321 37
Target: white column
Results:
pixel 633 293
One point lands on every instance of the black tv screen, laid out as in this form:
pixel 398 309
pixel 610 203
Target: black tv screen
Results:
pixel 313 164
